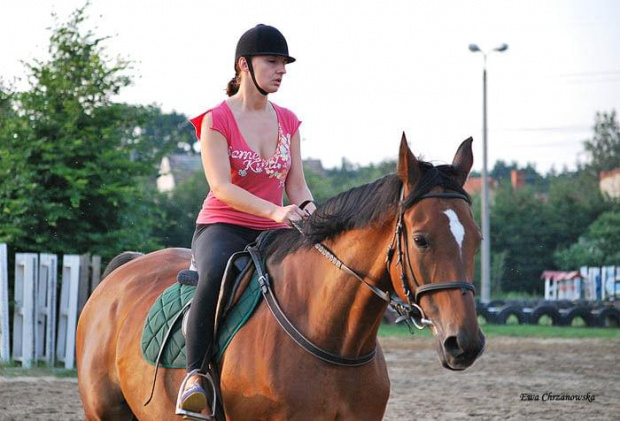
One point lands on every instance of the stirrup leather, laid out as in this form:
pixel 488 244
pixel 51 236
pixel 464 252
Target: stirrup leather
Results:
pixel 196 415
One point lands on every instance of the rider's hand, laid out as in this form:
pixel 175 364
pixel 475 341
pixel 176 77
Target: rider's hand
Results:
pixel 288 214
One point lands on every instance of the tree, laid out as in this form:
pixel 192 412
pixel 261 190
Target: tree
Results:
pixel 574 202
pixel 179 210
pixel 600 245
pixel 168 132
pixel 604 147
pixel 16 185
pixel 502 173
pixel 520 239
pixel 80 160
pixel 606 232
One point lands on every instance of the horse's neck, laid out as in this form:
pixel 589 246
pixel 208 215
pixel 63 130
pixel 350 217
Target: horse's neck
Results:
pixel 334 309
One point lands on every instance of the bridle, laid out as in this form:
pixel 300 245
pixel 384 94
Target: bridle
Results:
pixel 412 312
pixel 409 312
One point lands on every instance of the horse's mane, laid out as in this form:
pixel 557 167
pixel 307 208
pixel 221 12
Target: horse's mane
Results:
pixel 360 207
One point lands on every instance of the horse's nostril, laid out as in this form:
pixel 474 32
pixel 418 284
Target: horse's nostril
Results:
pixel 451 345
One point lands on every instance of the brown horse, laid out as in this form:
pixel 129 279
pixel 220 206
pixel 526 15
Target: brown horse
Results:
pixel 421 215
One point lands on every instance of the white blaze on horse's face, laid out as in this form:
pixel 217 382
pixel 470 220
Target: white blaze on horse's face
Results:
pixel 458 231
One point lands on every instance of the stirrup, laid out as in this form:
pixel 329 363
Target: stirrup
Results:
pixel 196 415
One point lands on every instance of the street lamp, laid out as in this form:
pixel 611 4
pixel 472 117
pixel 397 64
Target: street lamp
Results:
pixel 485 260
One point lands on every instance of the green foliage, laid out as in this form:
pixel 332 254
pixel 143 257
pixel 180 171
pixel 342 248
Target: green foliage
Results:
pixel 598 246
pixel 501 172
pixel 516 296
pixel 519 331
pixel 545 331
pixel 16 185
pixel 179 210
pixel 606 231
pixel 77 174
pixel 584 252
pixel 543 226
pixel 574 202
pixel 168 132
pixel 604 147
pixel 338 180
pixel 529 226
pixel 79 168
pixel 517 228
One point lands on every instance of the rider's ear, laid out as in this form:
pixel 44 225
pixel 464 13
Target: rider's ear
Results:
pixel 243 64
pixel 463 160
pixel 408 166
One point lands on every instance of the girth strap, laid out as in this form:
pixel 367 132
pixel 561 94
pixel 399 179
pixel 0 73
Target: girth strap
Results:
pixel 296 335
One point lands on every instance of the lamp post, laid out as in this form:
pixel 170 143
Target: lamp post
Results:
pixel 485 260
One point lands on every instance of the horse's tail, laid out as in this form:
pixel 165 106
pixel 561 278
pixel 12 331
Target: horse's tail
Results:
pixel 120 260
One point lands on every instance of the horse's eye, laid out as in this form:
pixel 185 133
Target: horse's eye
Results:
pixel 420 241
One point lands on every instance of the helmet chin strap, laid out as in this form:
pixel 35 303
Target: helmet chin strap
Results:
pixel 248 60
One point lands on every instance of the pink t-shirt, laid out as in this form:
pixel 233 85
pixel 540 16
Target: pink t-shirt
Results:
pixel 248 170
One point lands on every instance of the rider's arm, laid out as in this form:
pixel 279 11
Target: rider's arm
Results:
pixel 216 164
pixel 296 187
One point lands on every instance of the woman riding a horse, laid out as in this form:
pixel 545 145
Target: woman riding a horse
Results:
pixel 250 154
pixel 409 235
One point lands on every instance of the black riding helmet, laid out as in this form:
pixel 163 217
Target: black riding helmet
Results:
pixel 262 40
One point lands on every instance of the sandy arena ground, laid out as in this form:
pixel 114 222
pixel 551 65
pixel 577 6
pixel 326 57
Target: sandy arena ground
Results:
pixel 493 389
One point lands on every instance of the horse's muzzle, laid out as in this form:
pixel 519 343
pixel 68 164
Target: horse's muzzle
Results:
pixel 459 352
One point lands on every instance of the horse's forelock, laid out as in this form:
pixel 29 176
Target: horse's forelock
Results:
pixel 445 176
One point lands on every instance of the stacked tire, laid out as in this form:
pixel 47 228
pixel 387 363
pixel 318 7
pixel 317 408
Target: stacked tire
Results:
pixel 607 317
pixel 509 314
pixel 555 313
pixel 572 315
pixel 543 312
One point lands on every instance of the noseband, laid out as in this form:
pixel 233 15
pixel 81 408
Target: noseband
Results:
pixel 411 311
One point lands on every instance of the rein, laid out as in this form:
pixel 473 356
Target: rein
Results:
pixel 285 323
pixel 410 312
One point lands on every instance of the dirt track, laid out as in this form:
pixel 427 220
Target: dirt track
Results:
pixel 421 389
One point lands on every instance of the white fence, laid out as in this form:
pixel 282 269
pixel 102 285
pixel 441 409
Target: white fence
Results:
pixel 26 265
pixel 44 327
pixel 4 305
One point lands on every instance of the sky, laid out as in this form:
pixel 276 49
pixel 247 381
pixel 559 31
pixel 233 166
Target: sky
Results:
pixel 367 71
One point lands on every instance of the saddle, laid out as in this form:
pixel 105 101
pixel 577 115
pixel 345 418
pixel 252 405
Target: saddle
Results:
pixel 236 303
pixel 234 283
pixel 236 278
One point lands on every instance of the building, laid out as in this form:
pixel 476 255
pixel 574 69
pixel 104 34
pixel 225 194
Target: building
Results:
pixel 176 168
pixel 315 166
pixel 473 185
pixel 609 183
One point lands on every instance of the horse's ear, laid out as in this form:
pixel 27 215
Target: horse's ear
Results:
pixel 408 166
pixel 463 160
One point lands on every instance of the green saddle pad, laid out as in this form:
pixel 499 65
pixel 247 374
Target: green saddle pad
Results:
pixel 163 316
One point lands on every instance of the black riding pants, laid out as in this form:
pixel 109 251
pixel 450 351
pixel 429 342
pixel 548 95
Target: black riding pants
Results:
pixel 212 246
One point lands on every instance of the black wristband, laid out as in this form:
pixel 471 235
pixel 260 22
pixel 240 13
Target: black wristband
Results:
pixel 306 203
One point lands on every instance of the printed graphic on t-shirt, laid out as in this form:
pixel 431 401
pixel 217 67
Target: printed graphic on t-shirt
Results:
pixel 276 166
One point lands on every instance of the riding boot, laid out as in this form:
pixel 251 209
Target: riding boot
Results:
pixel 192 399
pixel 214 395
